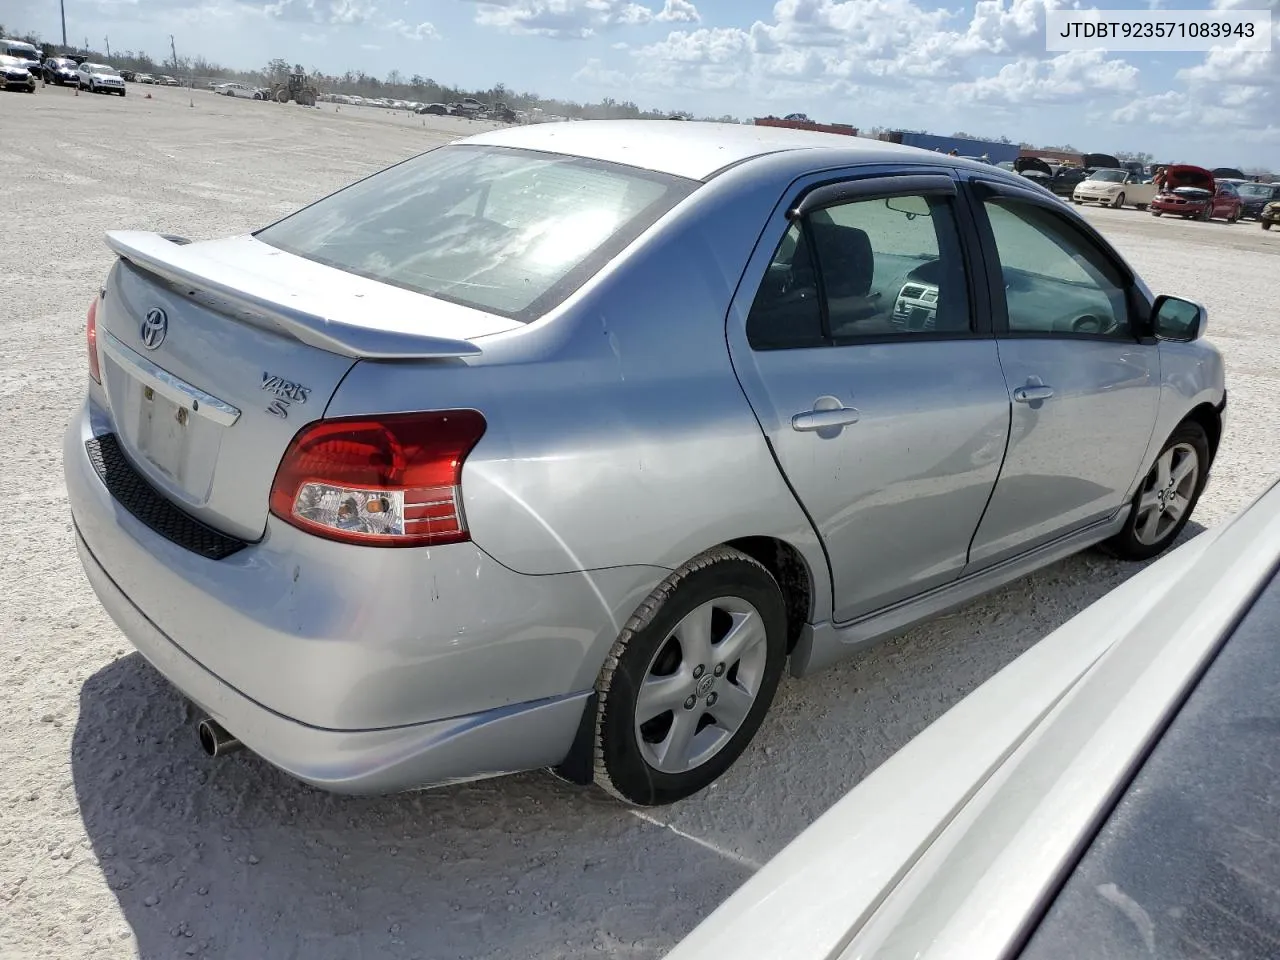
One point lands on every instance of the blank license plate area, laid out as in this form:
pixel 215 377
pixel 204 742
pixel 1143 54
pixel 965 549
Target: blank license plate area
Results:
pixel 164 432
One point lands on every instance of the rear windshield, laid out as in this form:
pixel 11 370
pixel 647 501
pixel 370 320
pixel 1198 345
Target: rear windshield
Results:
pixel 511 232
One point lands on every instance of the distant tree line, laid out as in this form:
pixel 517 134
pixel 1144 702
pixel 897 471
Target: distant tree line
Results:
pixel 396 86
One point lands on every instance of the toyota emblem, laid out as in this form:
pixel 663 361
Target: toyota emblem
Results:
pixel 154 328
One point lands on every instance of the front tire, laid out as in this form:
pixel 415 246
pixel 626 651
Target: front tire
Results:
pixel 690 679
pixel 1156 213
pixel 1119 202
pixel 1266 225
pixel 1167 496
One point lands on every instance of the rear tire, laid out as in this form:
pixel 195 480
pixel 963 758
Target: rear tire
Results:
pixel 1156 213
pixel 1166 497
pixel 690 679
pixel 1266 225
pixel 1140 207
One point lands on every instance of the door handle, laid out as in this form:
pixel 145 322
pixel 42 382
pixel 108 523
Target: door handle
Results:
pixel 1031 394
pixel 827 412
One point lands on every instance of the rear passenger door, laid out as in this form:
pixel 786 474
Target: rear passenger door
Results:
pixel 1084 380
pixel 862 347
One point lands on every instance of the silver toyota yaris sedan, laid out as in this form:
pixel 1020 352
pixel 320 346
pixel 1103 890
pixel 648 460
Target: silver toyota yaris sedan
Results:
pixel 553 447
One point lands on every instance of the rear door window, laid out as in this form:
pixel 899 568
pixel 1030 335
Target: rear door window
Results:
pixel 871 269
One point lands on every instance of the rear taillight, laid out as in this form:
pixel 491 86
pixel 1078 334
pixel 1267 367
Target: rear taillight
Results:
pixel 392 481
pixel 91 333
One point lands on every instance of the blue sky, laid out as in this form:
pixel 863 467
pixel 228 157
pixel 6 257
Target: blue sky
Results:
pixel 979 66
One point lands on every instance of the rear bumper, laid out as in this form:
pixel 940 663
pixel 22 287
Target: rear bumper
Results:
pixel 519 737
pixel 350 667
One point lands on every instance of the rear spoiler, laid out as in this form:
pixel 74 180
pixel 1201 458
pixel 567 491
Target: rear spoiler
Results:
pixel 185 267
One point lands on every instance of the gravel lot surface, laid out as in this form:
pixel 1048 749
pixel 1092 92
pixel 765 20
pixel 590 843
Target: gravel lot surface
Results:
pixel 118 838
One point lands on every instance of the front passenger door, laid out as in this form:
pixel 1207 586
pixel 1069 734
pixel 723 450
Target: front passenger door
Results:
pixel 1084 382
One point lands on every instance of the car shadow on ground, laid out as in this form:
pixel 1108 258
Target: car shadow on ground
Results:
pixel 230 858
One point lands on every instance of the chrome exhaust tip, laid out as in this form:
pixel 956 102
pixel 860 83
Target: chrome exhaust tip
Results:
pixel 215 740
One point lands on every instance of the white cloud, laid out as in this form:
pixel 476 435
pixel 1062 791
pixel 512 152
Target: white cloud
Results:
pixel 837 45
pixel 412 31
pixel 679 11
pixel 1067 78
pixel 596 73
pixel 561 19
pixel 347 12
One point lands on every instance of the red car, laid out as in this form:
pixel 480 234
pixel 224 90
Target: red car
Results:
pixel 1189 191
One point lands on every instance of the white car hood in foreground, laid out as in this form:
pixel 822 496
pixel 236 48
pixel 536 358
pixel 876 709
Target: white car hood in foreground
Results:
pixel 947 848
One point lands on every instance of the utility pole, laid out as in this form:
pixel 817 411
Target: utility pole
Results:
pixel 107 41
pixel 62 5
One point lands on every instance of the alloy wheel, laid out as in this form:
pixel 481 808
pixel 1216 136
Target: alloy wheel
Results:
pixel 1166 493
pixel 701 684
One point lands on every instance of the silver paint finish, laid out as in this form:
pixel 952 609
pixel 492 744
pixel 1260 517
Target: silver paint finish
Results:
pixel 696 151
pixel 299 625
pixel 629 430
pixel 1072 458
pixel 454 750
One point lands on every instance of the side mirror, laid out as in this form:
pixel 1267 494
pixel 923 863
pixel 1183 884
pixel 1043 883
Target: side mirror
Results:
pixel 1178 320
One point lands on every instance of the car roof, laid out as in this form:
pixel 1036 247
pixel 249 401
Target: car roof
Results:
pixel 695 151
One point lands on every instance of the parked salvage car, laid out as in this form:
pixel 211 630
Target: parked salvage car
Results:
pixel 1270 214
pixel 1114 188
pixel 16 75
pixel 1109 794
pixel 235 89
pixel 28 53
pixel 462 469
pixel 1057 179
pixel 436 109
pixel 146 78
pixel 1189 191
pixel 60 71
pixel 1255 196
pixel 167 81
pixel 99 78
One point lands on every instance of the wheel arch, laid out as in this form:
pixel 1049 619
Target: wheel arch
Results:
pixel 1210 418
pixel 792 573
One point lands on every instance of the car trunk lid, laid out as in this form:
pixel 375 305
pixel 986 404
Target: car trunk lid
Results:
pixel 215 354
